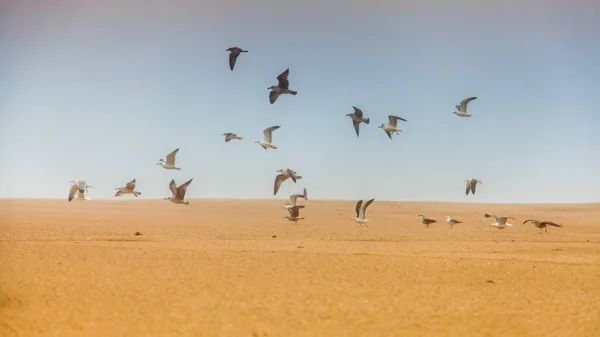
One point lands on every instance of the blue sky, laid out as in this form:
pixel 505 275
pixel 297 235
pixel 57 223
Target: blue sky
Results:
pixel 101 91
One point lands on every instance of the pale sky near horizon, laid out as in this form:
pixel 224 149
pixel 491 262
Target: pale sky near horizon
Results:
pixel 100 90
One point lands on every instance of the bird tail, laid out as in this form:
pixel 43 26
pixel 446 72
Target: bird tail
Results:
pixel 240 138
pixel 367 120
pixel 178 168
pixel 137 193
pixel 274 146
pixel 298 177
pixel 293 92
pixel 554 224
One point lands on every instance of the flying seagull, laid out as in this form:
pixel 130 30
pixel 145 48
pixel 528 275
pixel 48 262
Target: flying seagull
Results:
pixel 472 185
pixel 451 221
pixel 229 136
pixel 542 224
pixel 391 126
pixel 268 138
pixel 500 221
pixel 361 212
pixel 461 109
pixel 283 176
pixel 294 198
pixel 129 188
pixel 170 163
pixel 235 52
pixel 294 214
pixel 80 187
pixel 357 118
pixel 178 192
pixel 281 88
pixel 426 221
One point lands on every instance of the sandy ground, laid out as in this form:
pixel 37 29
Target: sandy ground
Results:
pixel 237 268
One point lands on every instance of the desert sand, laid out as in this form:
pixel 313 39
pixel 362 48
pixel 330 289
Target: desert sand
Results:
pixel 237 268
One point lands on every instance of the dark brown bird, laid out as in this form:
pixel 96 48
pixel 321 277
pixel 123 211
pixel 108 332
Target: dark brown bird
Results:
pixel 357 118
pixel 542 224
pixel 235 52
pixel 472 185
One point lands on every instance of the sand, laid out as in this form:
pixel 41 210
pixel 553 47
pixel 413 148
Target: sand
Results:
pixel 237 268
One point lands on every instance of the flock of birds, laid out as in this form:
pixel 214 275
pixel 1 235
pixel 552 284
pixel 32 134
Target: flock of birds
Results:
pixel 79 188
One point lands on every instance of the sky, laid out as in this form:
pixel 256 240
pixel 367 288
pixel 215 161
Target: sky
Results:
pixel 101 90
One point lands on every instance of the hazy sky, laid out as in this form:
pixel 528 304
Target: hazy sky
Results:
pixel 100 90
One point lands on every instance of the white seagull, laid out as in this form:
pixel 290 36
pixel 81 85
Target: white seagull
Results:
pixel 229 136
pixel 361 212
pixel 500 221
pixel 294 214
pixel 282 176
pixel 178 192
pixel 170 163
pixel 472 185
pixel 281 88
pixel 129 188
pixel 268 138
pixel 80 187
pixel 451 221
pixel 294 198
pixel 461 109
pixel 391 126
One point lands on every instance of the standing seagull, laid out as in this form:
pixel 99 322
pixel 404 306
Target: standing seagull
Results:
pixel 542 224
pixel 500 221
pixel 426 221
pixel 462 107
pixel 294 198
pixel 282 87
pixel 268 138
pixel 235 52
pixel 451 221
pixel 283 176
pixel 361 212
pixel 178 192
pixel 357 118
pixel 128 189
pixel 472 185
pixel 170 163
pixel 294 214
pixel 229 136
pixel 391 126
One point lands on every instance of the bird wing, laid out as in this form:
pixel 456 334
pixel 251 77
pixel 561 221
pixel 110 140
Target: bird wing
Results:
pixel 72 191
pixel 388 133
pixel 363 209
pixel 130 185
pixel 464 102
pixel 358 112
pixel 294 198
pixel 304 194
pixel 171 157
pixel 394 120
pixel 273 96
pixel 489 215
pixel 268 133
pixel 278 180
pixel 468 187
pixel 173 188
pixel 473 185
pixel 232 58
pixel 357 208
pixel 526 221
pixel 550 223
pixel 283 79
pixel 292 175
pixel 183 188
pixel 356 127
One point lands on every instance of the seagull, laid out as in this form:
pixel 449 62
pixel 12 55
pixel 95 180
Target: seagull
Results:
pixel 472 185
pixel 452 221
pixel 542 224
pixel 79 186
pixel 178 192
pixel 229 136
pixel 170 163
pixel 128 189
pixel 461 109
pixel 361 212
pixel 268 138
pixel 235 52
pixel 281 88
pixel 391 126
pixel 426 221
pixel 282 176
pixel 357 118
pixel 294 198
pixel 500 221
pixel 294 214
